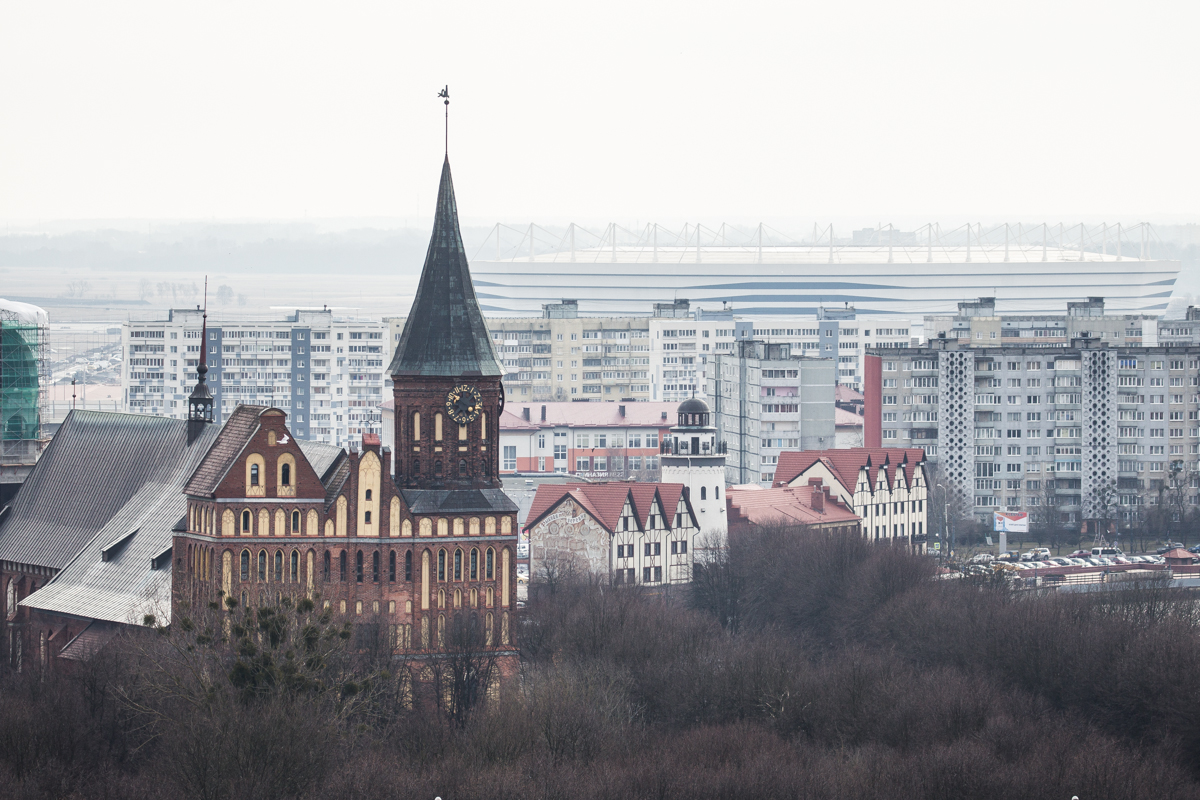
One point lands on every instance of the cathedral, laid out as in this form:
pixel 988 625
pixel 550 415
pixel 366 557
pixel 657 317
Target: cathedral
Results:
pixel 406 534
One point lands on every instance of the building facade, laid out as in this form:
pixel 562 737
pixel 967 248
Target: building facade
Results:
pixel 693 456
pixel 639 533
pixel 327 372
pixel 767 398
pixel 978 325
pixel 1052 431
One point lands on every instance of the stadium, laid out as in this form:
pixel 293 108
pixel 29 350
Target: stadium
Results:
pixel 1027 268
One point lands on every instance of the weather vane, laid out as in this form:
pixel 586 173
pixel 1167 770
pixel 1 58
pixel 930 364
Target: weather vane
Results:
pixel 446 94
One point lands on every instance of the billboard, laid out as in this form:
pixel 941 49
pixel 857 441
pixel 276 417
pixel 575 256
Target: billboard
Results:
pixel 1010 522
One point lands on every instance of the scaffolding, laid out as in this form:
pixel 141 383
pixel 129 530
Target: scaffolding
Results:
pixel 23 381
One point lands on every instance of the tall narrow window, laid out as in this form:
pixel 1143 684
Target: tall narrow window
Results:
pixel 437 427
pixel 342 566
pixel 327 573
pixel 246 521
pixel 703 491
pixel 295 566
pixel 408 566
pixel 489 566
pixel 441 565
pixel 368 496
pixel 458 565
pixel 278 566
pixel 416 426
pixel 392 567
pixel 254 474
pixel 358 566
pixel 245 565
pixel 286 474
pixel 375 567
pixel 262 565
pixel 437 468
pixel 462 468
pixel 295 522
pixel 474 564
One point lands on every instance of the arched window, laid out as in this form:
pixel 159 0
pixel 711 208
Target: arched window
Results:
pixel 441 565
pixel 244 600
pixel 458 565
pixel 408 566
pixel 437 468
pixel 437 427
pixel 246 521
pixel 262 565
pixel 342 566
pixel 474 564
pixel 285 475
pixel 703 491
pixel 441 598
pixel 441 630
pixel 375 567
pixel 245 565
pixel 254 476
pixel 358 567
pixel 416 428
pixel 367 514
pixel 368 494
pixel 279 566
pixel 327 571
pixel 716 492
pixel 416 470
pixel 489 565
pixel 295 522
pixel 392 567
pixel 487 629
pixel 295 566
pixel 462 468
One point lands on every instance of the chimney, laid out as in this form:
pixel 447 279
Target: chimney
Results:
pixel 525 413
pixel 621 410
pixel 817 500
pixel 543 413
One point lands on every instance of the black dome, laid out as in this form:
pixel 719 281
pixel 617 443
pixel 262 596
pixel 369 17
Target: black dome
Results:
pixel 693 405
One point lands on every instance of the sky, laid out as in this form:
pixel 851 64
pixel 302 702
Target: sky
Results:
pixel 630 111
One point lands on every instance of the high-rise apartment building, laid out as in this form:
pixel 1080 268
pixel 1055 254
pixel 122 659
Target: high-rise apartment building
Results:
pixel 978 325
pixel 326 371
pixel 1026 427
pixel 767 398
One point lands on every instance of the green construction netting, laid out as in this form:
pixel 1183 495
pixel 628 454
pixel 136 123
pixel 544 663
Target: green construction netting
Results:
pixel 18 381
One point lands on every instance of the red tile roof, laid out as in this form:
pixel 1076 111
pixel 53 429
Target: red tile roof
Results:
pixel 844 394
pixel 847 463
pixel 605 501
pixel 789 505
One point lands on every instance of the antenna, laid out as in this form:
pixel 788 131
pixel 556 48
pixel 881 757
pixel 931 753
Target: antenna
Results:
pixel 445 93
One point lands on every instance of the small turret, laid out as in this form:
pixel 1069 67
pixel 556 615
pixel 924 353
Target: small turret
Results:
pixel 200 402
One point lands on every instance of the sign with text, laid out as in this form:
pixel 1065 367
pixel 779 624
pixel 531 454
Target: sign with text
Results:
pixel 1010 522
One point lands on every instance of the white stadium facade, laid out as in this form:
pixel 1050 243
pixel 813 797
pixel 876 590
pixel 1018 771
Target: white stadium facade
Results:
pixel 1027 268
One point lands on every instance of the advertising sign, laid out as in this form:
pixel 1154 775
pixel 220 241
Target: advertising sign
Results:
pixel 1010 522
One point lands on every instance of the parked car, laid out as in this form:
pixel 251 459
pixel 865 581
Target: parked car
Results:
pixel 1122 560
pixel 1011 555
pixel 1080 554
pixel 1062 562
pixel 1041 553
pixel 1079 562
pixel 1194 548
pixel 1029 555
pixel 982 558
pixel 1106 552
pixel 1168 546
pixel 1138 560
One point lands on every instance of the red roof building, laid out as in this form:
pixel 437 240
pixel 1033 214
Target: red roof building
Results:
pixel 809 505
pixel 887 487
pixel 631 532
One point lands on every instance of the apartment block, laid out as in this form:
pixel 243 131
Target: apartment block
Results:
pixel 1026 427
pixel 978 325
pixel 326 371
pixel 767 398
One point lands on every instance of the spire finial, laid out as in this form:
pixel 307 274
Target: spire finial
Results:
pixel 202 368
pixel 200 402
pixel 445 93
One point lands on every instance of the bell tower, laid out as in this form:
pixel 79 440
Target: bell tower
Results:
pixel 446 377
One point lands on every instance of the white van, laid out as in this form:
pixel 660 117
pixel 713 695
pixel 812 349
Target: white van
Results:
pixel 1106 552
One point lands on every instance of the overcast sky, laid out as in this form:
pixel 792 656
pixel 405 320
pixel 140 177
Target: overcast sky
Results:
pixel 595 111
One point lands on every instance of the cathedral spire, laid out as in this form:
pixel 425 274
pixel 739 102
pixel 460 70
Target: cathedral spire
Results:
pixel 200 402
pixel 445 334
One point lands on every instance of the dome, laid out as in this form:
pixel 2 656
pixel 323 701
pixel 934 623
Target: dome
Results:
pixel 693 405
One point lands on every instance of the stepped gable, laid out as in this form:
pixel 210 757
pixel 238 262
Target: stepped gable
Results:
pixel 445 335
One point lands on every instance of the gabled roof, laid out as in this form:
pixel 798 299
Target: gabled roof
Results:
pixel 847 463
pixel 121 575
pixel 235 433
pixel 445 334
pixel 320 456
pixel 96 463
pixel 787 505
pixel 606 501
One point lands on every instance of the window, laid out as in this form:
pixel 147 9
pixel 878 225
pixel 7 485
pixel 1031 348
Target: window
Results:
pixel 408 566
pixel 254 477
pixel 327 573
pixel 245 565
pixel 489 562
pixel 285 473
pixel 278 566
pixel 510 457
pixel 653 548
pixel 392 567
pixel 441 565
pixel 246 521
pixel 703 492
pixel 262 565
pixel 295 522
pixel 474 564
pixel 295 566
pixel 375 567
pixel 342 566
pixel 458 564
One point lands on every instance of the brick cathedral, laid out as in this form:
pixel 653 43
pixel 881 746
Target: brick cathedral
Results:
pixel 410 535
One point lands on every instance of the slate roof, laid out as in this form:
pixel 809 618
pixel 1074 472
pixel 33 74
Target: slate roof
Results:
pixel 320 456
pixel 236 431
pixel 458 501
pixel 445 334
pixel 846 463
pixel 605 501
pixel 127 585
pixel 96 463
pixel 790 505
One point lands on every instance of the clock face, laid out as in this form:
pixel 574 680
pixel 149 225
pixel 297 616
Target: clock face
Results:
pixel 463 404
